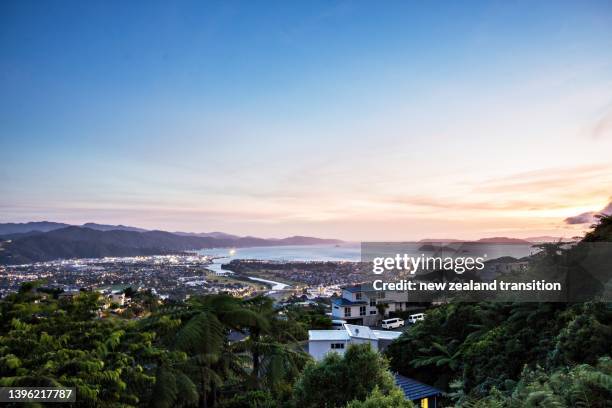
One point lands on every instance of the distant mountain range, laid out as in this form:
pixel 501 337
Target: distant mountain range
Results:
pixel 46 226
pixel 45 241
pixel 22 243
pixel 220 235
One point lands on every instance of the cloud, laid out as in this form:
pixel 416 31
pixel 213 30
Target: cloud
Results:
pixel 603 127
pixel 588 217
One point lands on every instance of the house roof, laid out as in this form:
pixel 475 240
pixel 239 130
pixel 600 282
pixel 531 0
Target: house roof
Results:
pixel 314 335
pixel 363 287
pixel 362 332
pixel 386 335
pixel 414 390
pixel 346 302
pixel 352 289
pixel 352 330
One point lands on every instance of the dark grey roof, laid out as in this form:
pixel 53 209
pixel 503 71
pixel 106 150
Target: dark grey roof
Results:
pixel 414 390
pixel 364 287
pixel 346 302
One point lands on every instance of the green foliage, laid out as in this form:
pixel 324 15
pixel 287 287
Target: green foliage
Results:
pixel 48 342
pixel 298 320
pixel 394 399
pixel 177 357
pixel 481 352
pixel 581 386
pixel 336 380
pixel 485 354
pixel 586 337
pixel 251 399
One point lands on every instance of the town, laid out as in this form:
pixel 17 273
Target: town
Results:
pixel 169 276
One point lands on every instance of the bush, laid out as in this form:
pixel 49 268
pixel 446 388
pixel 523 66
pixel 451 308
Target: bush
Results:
pixel 336 380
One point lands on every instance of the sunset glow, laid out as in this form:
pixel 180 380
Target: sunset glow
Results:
pixel 276 121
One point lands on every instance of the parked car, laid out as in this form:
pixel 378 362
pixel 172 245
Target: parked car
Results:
pixel 416 317
pixel 392 323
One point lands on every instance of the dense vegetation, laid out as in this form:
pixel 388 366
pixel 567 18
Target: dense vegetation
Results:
pixel 517 354
pixel 179 354
pixel 337 380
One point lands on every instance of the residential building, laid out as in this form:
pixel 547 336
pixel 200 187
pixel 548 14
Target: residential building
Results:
pixel 360 304
pixel 423 395
pixel 321 342
pixel 117 298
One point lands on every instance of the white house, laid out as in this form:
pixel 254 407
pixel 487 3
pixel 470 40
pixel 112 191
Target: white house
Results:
pixel 358 304
pixel 118 298
pixel 321 342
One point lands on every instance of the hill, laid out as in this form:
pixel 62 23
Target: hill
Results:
pixel 503 240
pixel 106 227
pixel 214 234
pixel 11 228
pixel 79 242
pixel 25 227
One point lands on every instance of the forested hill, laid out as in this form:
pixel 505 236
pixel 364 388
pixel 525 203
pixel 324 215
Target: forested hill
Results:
pixel 79 242
pixel 517 354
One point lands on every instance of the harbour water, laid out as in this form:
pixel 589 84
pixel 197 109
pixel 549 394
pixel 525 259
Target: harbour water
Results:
pixel 342 252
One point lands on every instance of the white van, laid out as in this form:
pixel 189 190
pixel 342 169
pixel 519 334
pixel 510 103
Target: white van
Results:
pixel 338 324
pixel 416 317
pixel 392 323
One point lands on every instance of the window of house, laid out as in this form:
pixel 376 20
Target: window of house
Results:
pixel 362 311
pixel 425 403
pixel 335 346
pixel 358 295
pixel 347 311
pixel 373 302
pixel 373 312
pixel 381 294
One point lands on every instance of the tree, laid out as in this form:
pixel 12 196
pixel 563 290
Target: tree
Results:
pixel 58 343
pixel 394 399
pixel 440 355
pixel 265 360
pixel 198 329
pixel 580 386
pixel 251 399
pixel 336 380
pixel 482 349
pixel 276 358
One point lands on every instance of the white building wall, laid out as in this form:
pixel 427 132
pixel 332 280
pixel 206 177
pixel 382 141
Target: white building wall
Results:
pixel 319 348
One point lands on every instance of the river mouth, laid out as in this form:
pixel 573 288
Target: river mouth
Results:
pixel 326 252
pixel 275 285
pixel 216 266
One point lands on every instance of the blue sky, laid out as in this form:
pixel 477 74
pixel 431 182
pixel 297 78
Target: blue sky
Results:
pixel 356 120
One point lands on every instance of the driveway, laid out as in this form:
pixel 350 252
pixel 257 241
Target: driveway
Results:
pixel 398 329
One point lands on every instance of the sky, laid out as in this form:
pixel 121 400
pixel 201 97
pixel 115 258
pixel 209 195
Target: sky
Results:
pixel 352 119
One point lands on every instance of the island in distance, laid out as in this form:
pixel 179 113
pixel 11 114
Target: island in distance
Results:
pixel 45 241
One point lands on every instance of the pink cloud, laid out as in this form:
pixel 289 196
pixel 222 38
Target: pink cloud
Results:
pixel 588 217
